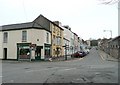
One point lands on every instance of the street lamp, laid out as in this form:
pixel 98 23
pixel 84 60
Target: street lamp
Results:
pixel 108 31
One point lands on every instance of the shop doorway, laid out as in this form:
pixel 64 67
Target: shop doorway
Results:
pixel 38 53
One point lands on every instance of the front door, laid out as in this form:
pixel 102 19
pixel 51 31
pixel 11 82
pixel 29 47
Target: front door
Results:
pixel 38 53
pixel 5 53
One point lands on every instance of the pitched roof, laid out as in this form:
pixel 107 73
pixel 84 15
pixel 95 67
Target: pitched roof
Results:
pixel 37 20
pixel 20 26
pixel 40 22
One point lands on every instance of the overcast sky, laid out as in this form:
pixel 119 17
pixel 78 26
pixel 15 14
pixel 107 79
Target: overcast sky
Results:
pixel 87 18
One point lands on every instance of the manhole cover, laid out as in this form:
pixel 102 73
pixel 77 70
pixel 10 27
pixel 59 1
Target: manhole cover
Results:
pixel 26 68
pixel 49 67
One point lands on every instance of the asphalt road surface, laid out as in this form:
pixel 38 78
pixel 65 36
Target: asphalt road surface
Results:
pixel 90 69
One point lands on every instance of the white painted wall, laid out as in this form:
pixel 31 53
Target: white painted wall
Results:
pixel 15 36
pixel 41 35
pixel 72 42
pixel 68 35
pixel 1 41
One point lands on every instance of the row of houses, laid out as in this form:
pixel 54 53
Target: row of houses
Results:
pixel 111 46
pixel 39 39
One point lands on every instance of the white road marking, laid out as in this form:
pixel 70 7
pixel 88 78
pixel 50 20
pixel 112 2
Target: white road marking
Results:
pixel 101 66
pixel 36 70
pixel 74 60
pixel 67 69
pixel 11 81
pixel 80 58
pixel 1 76
pixel 41 69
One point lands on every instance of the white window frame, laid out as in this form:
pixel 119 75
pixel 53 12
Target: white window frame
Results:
pixel 5 37
pixel 24 36
pixel 47 37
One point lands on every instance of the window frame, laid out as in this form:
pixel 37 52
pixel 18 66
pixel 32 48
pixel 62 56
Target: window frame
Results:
pixel 47 37
pixel 24 36
pixel 5 37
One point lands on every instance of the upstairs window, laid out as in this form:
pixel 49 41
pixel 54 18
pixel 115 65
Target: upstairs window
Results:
pixel 53 28
pixel 24 36
pixel 54 40
pixel 5 37
pixel 47 38
pixel 58 41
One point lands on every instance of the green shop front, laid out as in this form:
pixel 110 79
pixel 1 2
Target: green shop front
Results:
pixel 47 51
pixel 28 51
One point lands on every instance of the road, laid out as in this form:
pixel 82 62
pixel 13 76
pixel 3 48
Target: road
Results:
pixel 90 69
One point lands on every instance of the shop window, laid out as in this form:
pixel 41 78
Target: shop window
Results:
pixel 24 53
pixel 47 51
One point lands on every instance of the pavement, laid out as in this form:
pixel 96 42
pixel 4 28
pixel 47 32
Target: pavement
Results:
pixel 60 59
pixel 102 54
pixel 47 60
pixel 106 56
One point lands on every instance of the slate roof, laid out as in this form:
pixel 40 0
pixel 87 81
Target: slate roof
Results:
pixel 52 22
pixel 20 26
pixel 118 37
pixel 40 22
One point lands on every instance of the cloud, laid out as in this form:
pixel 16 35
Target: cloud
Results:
pixel 85 17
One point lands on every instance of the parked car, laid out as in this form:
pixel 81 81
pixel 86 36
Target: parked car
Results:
pixel 79 54
pixel 82 53
pixel 86 51
pixel 84 48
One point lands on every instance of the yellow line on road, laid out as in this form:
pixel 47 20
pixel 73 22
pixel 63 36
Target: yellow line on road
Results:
pixel 102 57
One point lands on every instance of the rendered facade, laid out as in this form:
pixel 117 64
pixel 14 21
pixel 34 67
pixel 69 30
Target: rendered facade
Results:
pixel 37 40
pixel 57 40
pixel 27 40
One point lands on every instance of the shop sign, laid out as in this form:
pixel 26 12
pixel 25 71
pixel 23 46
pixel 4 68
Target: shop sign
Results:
pixel 33 46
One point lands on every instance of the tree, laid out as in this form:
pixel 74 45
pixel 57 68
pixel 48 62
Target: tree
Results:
pixel 109 1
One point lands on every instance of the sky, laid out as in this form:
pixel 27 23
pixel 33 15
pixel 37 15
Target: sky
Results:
pixel 87 18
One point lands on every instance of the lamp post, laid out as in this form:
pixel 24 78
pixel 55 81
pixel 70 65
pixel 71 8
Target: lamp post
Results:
pixel 108 31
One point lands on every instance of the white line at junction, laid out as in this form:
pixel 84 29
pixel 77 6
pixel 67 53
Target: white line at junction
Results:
pixel 41 69
pixel 67 69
